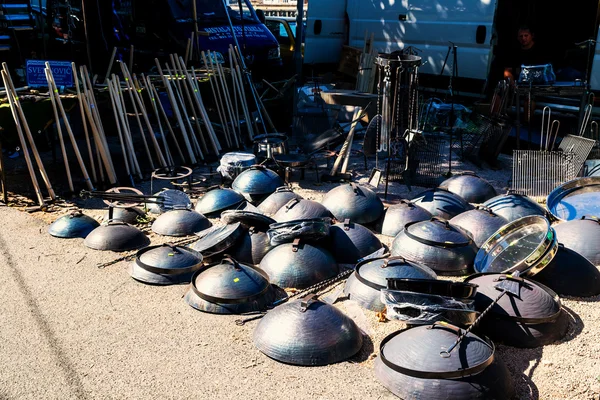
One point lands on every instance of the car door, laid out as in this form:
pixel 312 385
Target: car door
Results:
pixel 325 31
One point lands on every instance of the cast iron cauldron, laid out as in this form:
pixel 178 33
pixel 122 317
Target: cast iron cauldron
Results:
pixel 256 183
pixel 230 288
pixel 370 277
pixel 180 222
pixel 398 215
pixel 116 236
pixel 437 244
pixel 356 203
pixel 442 203
pixel 410 366
pixel 278 199
pixel 297 209
pixel 513 206
pixel 470 187
pixel 165 264
pixel 307 332
pixel 581 235
pixel 480 223
pixel 218 200
pixel 350 242
pixel 533 318
pixel 73 225
pixel 298 265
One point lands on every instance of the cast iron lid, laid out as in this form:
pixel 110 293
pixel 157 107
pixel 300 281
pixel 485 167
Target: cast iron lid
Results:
pixel 354 202
pixel 398 215
pixel 437 232
pixel 249 218
pixel 470 187
pixel 581 235
pixel 480 223
pixel 73 225
pixel 535 303
pixel 168 259
pixel 180 222
pixel 276 200
pixel 218 200
pixel 300 209
pixel 217 239
pixel 307 332
pixel 442 203
pixel 513 206
pixel 526 245
pixel 257 180
pixel 575 199
pixel 375 272
pixel 421 352
pixel 455 290
pixel 305 229
pixel 229 282
pixel 116 236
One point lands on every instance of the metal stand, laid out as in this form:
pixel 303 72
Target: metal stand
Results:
pixel 453 75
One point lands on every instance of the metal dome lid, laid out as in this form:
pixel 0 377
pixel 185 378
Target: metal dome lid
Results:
pixel 296 209
pixel 535 303
pixel 421 352
pixel 442 203
pixel 470 187
pixel 307 332
pixel 350 242
pixel 398 215
pixel 73 225
pixel 375 272
pixel 217 239
pixel 180 222
pixel 251 247
pixel 437 232
pixel 576 198
pixel 257 180
pixel 116 236
pixel 298 265
pixel 277 199
pixel 230 287
pixel 354 202
pixel 218 200
pixel 479 223
pixel 248 218
pixel 526 245
pixel 513 206
pixel 165 264
pixel 581 235
pixel 131 215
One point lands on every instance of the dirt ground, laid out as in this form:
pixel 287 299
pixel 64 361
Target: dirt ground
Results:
pixel 72 330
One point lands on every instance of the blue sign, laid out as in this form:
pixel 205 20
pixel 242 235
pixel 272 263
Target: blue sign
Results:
pixel 61 70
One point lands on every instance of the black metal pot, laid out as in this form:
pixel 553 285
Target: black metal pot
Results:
pixel 436 243
pixel 480 223
pixel 349 242
pixel 581 235
pixel 442 203
pixel 411 366
pixel 398 215
pixel 307 332
pixel 370 277
pixel 256 183
pixel 533 318
pixel 297 209
pixel 470 187
pixel 73 225
pixel 278 199
pixel 218 200
pixel 298 265
pixel 356 203
pixel 513 206
pixel 230 288
pixel 116 236
pixel 165 264
pixel 571 274
pixel 180 223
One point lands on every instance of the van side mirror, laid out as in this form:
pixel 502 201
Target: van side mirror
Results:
pixel 261 16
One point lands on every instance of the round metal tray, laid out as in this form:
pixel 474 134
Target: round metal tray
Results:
pixel 575 199
pixel 526 245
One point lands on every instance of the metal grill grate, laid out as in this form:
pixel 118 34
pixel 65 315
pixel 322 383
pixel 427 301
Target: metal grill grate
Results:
pixel 537 173
pixel 580 146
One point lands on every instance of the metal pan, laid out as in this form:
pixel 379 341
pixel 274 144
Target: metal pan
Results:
pixel 575 199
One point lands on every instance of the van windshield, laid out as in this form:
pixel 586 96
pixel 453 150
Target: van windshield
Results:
pixel 213 10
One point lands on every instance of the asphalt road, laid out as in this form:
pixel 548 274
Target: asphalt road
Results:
pixel 69 330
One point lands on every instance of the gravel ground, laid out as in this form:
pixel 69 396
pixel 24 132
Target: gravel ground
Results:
pixel 72 330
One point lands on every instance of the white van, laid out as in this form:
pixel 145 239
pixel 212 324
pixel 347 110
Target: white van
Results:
pixel 482 30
